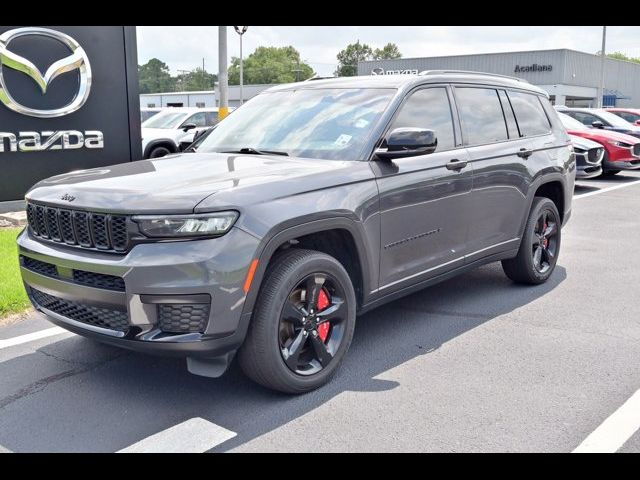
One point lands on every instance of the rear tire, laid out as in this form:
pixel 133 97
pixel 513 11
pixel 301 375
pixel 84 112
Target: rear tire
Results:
pixel 266 355
pixel 540 245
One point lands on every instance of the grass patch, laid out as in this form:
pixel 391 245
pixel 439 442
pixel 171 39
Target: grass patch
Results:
pixel 13 298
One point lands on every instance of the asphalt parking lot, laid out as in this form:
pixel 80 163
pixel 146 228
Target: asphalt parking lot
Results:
pixel 474 364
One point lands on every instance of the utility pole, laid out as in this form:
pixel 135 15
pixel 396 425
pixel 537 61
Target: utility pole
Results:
pixel 241 30
pixel 223 77
pixel 599 103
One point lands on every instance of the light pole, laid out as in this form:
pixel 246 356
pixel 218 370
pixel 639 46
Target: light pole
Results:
pixel 600 102
pixel 241 31
pixel 223 83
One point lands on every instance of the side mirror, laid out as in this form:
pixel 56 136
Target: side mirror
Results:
pixel 408 142
pixel 597 124
pixel 188 126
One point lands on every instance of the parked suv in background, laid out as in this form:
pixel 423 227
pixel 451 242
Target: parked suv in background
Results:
pixel 312 203
pixel 622 152
pixel 599 118
pixel 163 133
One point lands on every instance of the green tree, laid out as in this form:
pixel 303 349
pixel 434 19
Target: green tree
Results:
pixel 270 65
pixel 622 56
pixel 389 52
pixel 349 57
pixel 196 80
pixel 154 77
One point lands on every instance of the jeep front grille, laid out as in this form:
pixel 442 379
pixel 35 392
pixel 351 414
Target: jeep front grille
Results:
pixel 97 231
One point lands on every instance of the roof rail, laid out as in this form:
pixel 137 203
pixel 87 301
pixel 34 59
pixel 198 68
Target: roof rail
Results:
pixel 318 77
pixel 435 72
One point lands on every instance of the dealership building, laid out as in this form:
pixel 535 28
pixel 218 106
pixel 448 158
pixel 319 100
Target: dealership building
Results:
pixel 205 99
pixel 570 77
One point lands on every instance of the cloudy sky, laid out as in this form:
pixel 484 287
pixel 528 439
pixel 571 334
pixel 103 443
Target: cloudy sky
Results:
pixel 185 47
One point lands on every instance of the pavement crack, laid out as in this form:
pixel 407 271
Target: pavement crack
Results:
pixel 38 386
pixel 71 362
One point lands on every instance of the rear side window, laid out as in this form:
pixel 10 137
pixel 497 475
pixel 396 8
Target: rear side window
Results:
pixel 529 113
pixel 481 114
pixel 429 108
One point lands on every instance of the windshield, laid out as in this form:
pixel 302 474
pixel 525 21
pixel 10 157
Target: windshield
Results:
pixel 314 123
pixel 165 120
pixel 571 123
pixel 614 120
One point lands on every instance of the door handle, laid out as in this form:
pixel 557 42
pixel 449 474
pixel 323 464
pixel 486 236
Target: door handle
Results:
pixel 456 164
pixel 525 153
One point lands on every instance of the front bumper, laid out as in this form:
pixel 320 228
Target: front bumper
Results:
pixel 588 171
pixel 156 284
pixel 627 164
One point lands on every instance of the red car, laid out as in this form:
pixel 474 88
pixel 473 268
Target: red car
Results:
pixel 622 152
pixel 631 115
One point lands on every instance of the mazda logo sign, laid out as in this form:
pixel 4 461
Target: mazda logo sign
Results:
pixel 77 60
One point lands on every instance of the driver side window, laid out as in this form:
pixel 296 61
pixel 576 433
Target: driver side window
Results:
pixel 428 108
pixel 198 119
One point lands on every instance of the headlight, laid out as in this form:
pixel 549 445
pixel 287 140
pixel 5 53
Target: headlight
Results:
pixel 620 144
pixel 579 150
pixel 178 226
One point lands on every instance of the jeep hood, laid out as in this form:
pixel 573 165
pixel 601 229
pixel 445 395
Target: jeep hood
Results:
pixel 178 183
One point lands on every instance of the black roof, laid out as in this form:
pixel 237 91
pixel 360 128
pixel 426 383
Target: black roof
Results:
pixel 408 81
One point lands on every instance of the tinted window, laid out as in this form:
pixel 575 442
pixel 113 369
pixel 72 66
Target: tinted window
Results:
pixel 584 118
pixel 429 108
pixel 198 119
pixel 481 114
pixel 212 118
pixel 512 126
pixel 530 115
pixel 628 116
pixel 327 123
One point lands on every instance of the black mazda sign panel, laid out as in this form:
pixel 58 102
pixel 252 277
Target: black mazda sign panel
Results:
pixel 68 101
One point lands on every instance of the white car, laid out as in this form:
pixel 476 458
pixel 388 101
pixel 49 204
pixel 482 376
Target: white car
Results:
pixel 163 133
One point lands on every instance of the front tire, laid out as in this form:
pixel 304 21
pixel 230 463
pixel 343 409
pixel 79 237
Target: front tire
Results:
pixel 539 247
pixel 302 324
pixel 159 152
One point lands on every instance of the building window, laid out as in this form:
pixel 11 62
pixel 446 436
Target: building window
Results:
pixel 200 104
pixel 151 105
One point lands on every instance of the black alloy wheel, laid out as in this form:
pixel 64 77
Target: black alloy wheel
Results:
pixel 545 241
pixel 302 323
pixel 312 324
pixel 539 247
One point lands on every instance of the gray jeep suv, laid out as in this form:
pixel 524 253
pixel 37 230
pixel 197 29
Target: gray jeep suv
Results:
pixel 312 203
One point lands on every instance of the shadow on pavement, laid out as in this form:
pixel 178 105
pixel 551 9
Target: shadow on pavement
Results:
pixel 121 398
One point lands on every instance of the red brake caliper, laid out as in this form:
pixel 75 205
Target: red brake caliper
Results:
pixel 323 302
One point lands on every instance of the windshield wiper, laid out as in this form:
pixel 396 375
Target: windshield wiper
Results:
pixel 254 151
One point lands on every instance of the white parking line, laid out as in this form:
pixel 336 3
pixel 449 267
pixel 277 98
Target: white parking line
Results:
pixel 615 430
pixel 605 190
pixel 30 337
pixel 196 435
